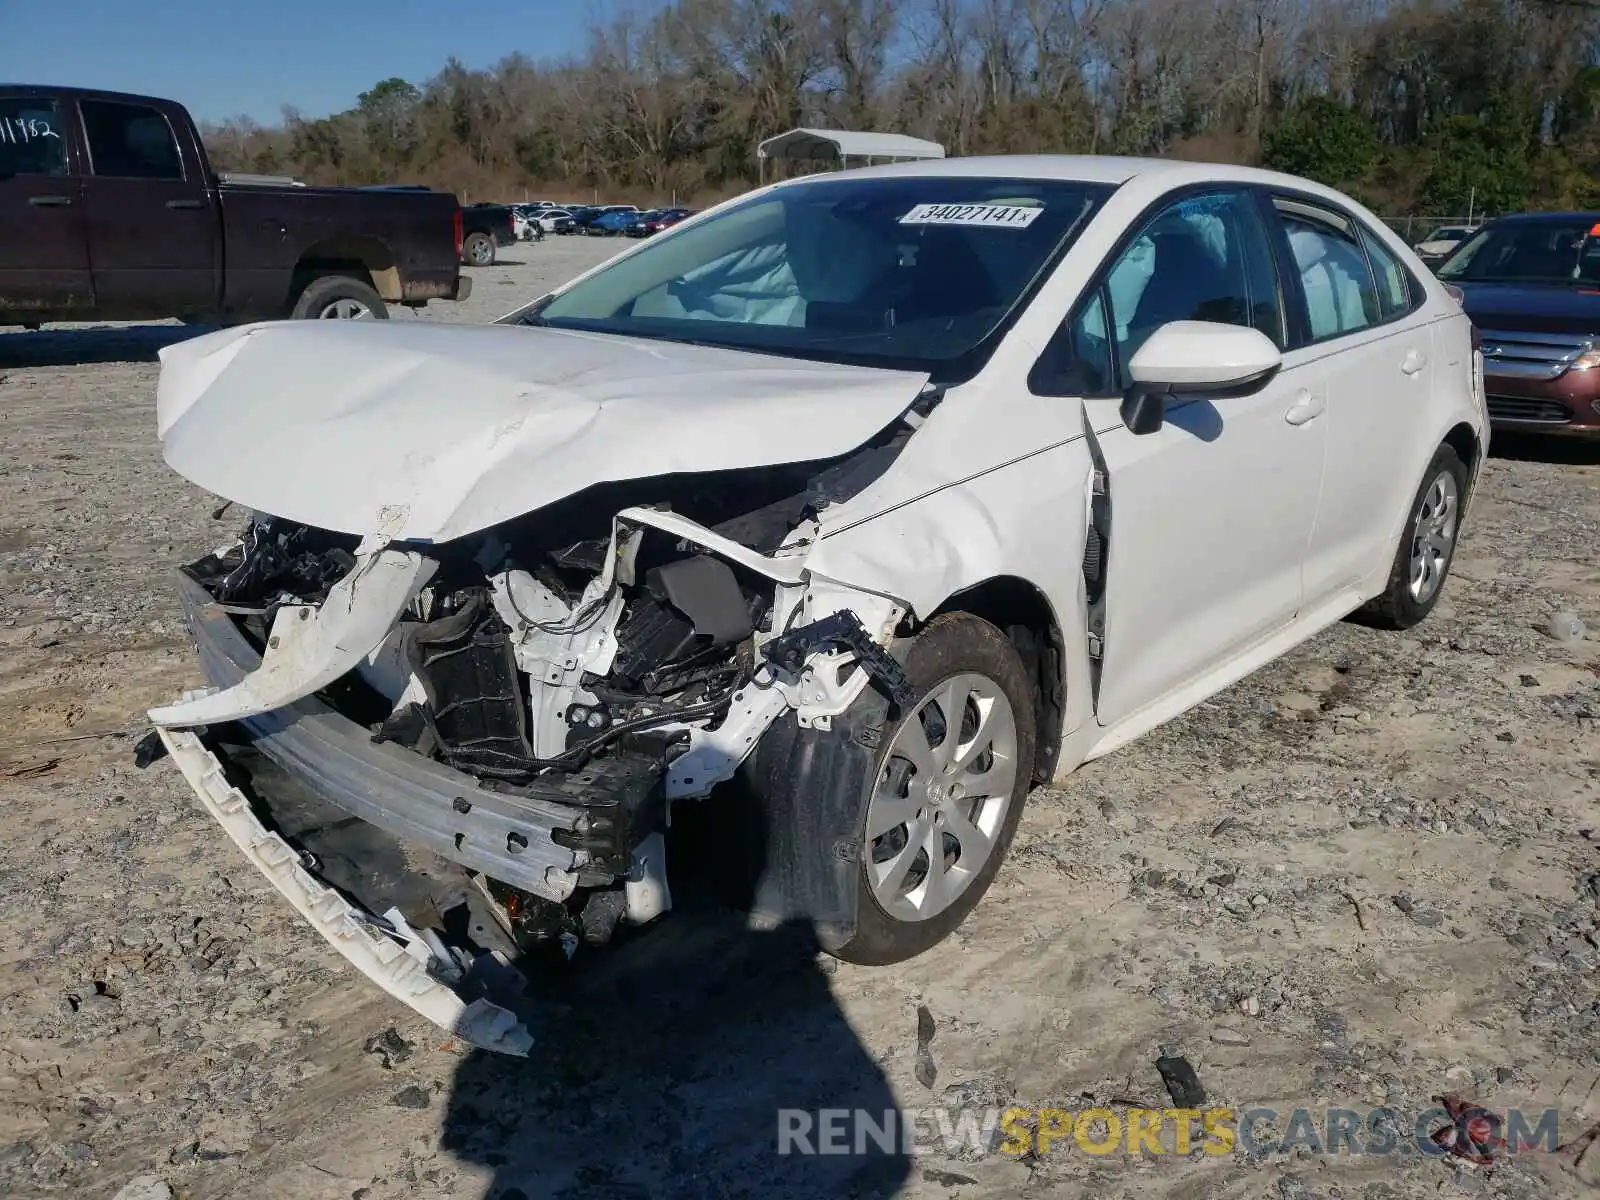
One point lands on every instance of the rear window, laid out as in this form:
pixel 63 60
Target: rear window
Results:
pixel 30 138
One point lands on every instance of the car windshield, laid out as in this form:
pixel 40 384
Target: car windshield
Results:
pixel 1544 251
pixel 914 272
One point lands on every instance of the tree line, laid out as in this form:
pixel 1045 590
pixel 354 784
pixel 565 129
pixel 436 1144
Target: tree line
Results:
pixel 1412 105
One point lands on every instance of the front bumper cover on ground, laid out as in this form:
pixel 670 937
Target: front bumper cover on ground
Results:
pixel 354 933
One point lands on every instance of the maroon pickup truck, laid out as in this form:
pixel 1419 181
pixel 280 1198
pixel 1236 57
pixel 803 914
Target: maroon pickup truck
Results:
pixel 109 211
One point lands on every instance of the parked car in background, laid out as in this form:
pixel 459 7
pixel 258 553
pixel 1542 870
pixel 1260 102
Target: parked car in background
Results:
pixel 893 494
pixel 613 215
pixel 525 222
pixel 1531 284
pixel 110 211
pixel 1438 245
pixel 612 222
pixel 655 222
pixel 584 218
pixel 578 214
pixel 634 226
pixel 554 220
pixel 485 228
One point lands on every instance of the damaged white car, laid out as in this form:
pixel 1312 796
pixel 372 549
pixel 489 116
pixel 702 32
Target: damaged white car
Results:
pixel 847 511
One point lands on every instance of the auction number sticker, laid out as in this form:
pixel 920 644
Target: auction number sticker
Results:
pixel 1004 216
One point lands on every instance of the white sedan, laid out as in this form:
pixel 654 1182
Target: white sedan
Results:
pixel 894 493
pixel 550 218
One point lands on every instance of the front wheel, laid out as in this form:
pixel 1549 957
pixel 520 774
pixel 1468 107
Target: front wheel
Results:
pixel 1427 547
pixel 949 787
pixel 339 298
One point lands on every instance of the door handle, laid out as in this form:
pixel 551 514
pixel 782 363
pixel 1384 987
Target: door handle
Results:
pixel 184 204
pixel 1308 406
pixel 50 201
pixel 1413 362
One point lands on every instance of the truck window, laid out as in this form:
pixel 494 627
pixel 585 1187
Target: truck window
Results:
pixel 30 138
pixel 130 141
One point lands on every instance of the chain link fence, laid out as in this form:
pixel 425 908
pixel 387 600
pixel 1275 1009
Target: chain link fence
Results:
pixel 1414 228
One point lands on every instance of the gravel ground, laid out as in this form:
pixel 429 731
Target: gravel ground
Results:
pixel 1368 875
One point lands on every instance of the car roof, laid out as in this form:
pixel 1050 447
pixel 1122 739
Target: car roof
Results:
pixel 1114 170
pixel 46 90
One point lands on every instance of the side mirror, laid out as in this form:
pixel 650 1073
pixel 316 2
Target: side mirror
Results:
pixel 1194 358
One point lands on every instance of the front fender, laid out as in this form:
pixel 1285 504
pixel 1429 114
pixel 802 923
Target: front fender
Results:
pixel 1027 520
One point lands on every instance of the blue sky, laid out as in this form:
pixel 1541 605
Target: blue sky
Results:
pixel 223 57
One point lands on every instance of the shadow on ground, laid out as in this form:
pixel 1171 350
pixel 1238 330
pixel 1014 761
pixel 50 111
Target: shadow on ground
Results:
pixel 92 344
pixel 668 1057
pixel 1535 447
pixel 664 1075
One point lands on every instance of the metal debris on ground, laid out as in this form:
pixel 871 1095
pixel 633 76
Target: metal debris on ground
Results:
pixel 390 1046
pixel 927 1070
pixel 1183 1085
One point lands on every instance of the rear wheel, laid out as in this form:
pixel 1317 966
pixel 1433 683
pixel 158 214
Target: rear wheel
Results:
pixel 1427 547
pixel 948 792
pixel 478 250
pixel 339 298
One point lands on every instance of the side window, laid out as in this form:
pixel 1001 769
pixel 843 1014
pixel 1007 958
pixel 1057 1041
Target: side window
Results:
pixel 1394 290
pixel 1204 258
pixel 1077 362
pixel 1341 294
pixel 30 138
pixel 129 141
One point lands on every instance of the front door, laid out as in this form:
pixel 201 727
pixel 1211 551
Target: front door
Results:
pixel 44 252
pixel 153 232
pixel 1209 515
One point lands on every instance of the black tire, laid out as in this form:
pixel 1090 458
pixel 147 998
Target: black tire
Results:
pixel 954 644
pixel 325 292
pixel 1397 607
pixel 478 250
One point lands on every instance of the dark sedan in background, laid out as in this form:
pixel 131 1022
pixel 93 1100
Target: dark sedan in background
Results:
pixel 655 221
pixel 1531 284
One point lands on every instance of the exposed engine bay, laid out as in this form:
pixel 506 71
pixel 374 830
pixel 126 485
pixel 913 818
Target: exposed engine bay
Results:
pixel 612 654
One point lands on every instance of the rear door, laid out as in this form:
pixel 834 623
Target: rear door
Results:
pixel 44 253
pixel 1360 322
pixel 153 231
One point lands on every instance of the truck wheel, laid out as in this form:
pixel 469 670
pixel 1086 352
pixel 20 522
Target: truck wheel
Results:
pixel 948 792
pixel 478 250
pixel 339 298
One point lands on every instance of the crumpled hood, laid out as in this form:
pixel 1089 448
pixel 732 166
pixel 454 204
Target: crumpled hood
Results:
pixel 430 432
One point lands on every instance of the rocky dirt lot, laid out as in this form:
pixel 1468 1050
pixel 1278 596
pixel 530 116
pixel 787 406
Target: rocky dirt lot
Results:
pixel 1369 875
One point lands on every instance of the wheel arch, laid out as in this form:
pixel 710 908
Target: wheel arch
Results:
pixel 1463 439
pixel 364 258
pixel 1021 610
